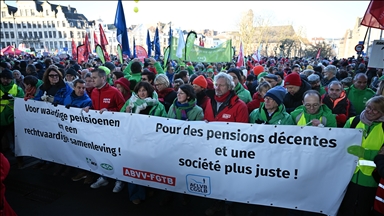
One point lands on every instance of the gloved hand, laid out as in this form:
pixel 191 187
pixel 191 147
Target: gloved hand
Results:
pixel 7 96
pixel 356 150
pixel 44 96
pixel 50 98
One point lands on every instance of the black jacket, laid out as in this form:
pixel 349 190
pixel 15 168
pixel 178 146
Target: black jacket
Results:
pixel 291 102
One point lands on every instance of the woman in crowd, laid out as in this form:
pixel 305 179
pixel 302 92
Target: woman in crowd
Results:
pixel 31 86
pixel 124 87
pixel 258 97
pixel 361 190
pixel 165 94
pixel 142 102
pixel 18 78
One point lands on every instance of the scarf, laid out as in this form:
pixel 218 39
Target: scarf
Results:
pixel 238 87
pixel 223 97
pixel 30 94
pixel 364 119
pixel 161 94
pixel 137 104
pixel 181 110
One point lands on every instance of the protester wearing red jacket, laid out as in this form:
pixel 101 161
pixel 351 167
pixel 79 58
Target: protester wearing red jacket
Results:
pixel 5 208
pixel 225 105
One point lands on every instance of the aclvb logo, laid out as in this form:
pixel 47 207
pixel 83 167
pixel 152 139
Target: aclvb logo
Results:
pixel 199 184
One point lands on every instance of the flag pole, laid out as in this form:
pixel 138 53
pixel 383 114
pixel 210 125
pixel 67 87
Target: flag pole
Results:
pixel 381 35
pixel 365 36
pixel 369 38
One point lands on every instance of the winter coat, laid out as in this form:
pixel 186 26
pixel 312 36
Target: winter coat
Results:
pixel 73 100
pixel 257 100
pixel 341 107
pixel 291 102
pixel 279 117
pixel 359 97
pixel 59 96
pixel 6 112
pixel 243 93
pixel 327 118
pixel 157 110
pixel 231 110
pixel 107 97
pixel 195 114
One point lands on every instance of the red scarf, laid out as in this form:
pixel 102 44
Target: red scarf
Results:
pixel 161 94
pixel 223 97
pixel 30 94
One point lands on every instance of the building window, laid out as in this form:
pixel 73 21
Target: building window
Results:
pixel 12 35
pixel 33 25
pixel 48 24
pixel 61 44
pixel 25 35
pixel 35 34
pixel 19 25
pixel 65 34
pixel 26 12
pixel 50 34
pixel 55 44
pixel 8 43
pixel 29 25
pixel 2 44
pixel 3 14
pixel 6 35
pixel 60 35
pixel 71 34
pixel 78 35
pixel 44 25
pixel 38 25
pixel 53 24
pixel 45 34
pixel 5 25
pixel 47 12
pixel 63 24
pixel 1 35
pixel 40 35
pixel 54 34
pixel 51 45
pixel 58 23
pixel 30 34
pixel 10 25
pixel 20 34
pixel 24 24
pixel 82 35
pixel 41 45
pixel 32 12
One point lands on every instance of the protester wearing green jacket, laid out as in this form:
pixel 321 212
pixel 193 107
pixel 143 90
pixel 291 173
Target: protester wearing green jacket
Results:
pixel 184 107
pixel 312 112
pixel 241 92
pixel 359 93
pixel 143 101
pixel 272 111
pixel 8 91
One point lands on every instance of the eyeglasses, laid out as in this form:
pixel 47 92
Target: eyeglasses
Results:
pixel 370 109
pixel 53 75
pixel 308 106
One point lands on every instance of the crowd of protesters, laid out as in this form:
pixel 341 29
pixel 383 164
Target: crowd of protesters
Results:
pixel 278 91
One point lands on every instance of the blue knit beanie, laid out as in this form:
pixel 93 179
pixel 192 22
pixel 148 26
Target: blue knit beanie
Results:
pixel 277 93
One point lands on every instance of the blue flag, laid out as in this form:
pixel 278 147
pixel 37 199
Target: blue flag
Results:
pixel 134 48
pixel 157 44
pixel 149 44
pixel 122 33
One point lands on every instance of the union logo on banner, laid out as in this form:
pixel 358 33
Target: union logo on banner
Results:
pixel 141 53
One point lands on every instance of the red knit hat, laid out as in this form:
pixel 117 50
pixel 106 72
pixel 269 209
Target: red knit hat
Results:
pixel 200 81
pixel 123 82
pixel 292 79
pixel 258 69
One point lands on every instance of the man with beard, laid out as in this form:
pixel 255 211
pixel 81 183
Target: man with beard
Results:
pixel 336 100
pixel 296 88
pixel 314 80
pixel 329 75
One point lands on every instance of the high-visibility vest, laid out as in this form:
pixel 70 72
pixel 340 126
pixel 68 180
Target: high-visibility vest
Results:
pixel 373 141
pixel 3 103
pixel 303 122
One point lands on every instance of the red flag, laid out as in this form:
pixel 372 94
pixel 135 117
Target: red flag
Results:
pixel 80 53
pixel 74 50
pixel 87 49
pixel 141 53
pixel 374 16
pixel 318 53
pixel 103 43
pixel 240 58
pixel 95 40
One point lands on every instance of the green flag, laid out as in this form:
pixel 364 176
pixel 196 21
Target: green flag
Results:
pixel 166 55
pixel 120 53
pixel 100 53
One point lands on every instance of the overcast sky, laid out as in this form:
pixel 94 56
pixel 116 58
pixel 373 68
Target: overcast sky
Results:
pixel 328 19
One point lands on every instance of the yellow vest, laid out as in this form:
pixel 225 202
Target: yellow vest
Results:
pixel 3 103
pixel 303 122
pixel 373 141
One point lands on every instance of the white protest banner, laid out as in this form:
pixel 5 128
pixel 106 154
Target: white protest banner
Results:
pixel 305 168
pixel 376 58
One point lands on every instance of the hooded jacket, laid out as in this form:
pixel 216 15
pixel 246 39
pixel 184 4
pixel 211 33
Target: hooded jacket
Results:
pixel 279 117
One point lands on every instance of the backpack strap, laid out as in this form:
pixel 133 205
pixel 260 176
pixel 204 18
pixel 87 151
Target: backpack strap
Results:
pixel 355 121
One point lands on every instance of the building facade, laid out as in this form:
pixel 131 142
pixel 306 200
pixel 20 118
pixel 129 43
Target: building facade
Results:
pixel 41 25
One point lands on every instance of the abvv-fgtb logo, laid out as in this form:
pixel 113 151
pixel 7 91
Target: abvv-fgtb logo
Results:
pixel 199 184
